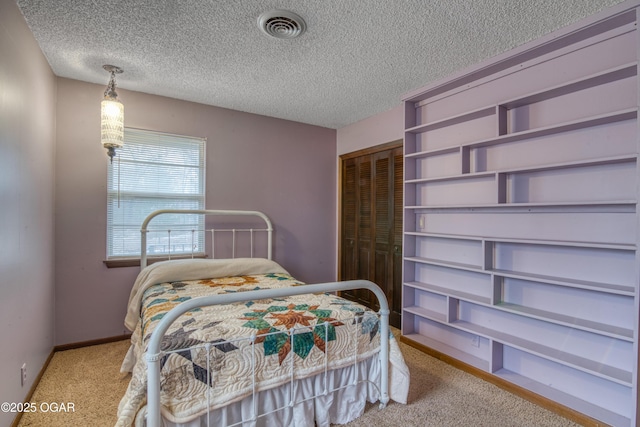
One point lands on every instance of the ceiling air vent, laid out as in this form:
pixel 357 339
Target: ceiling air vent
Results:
pixel 281 24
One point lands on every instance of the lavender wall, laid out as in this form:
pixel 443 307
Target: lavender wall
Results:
pixel 282 168
pixel 375 130
pixel 27 149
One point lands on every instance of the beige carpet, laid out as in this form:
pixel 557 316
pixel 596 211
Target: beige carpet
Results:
pixel 439 395
pixel 90 379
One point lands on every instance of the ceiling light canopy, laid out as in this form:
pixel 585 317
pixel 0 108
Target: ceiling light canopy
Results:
pixel 281 24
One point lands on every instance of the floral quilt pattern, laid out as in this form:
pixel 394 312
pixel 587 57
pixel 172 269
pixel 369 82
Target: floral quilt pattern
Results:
pixel 299 333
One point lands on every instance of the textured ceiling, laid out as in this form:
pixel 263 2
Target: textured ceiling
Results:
pixel 356 59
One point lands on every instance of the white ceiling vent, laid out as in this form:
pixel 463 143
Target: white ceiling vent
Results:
pixel 281 24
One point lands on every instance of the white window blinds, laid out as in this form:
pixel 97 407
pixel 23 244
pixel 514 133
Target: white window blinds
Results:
pixel 155 171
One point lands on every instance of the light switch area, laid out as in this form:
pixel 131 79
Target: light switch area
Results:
pixel 475 341
pixel 23 374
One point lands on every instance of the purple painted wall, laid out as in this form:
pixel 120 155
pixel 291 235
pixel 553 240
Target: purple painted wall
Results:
pixel 282 168
pixel 375 130
pixel 27 151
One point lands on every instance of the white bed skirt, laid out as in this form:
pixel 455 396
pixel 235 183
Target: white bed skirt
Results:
pixel 338 407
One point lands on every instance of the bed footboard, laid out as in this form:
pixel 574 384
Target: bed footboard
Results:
pixel 154 353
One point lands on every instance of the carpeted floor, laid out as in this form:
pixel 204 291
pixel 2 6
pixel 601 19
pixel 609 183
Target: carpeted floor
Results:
pixel 90 379
pixel 439 395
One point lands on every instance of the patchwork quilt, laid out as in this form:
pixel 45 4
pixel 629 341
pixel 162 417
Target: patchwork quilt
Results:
pixel 290 333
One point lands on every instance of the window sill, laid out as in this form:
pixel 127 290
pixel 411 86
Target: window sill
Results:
pixel 135 262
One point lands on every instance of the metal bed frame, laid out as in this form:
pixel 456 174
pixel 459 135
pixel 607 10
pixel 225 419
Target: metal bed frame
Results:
pixel 268 229
pixel 154 353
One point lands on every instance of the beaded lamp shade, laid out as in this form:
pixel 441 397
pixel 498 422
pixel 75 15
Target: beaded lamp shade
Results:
pixel 112 115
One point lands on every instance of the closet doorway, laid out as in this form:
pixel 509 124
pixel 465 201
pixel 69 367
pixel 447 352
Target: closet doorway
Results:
pixel 370 245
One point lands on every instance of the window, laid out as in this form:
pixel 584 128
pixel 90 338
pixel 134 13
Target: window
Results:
pixel 155 171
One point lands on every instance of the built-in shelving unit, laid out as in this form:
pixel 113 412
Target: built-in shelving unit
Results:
pixel 521 218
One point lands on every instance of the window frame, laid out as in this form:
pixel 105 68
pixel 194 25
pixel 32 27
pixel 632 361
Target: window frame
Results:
pixel 114 193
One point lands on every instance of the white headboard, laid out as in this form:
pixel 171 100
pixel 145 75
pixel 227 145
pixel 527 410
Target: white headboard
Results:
pixel 268 229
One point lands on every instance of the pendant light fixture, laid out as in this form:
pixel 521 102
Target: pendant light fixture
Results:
pixel 112 115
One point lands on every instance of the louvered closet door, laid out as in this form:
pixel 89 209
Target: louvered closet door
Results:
pixel 348 223
pixel 394 295
pixel 364 243
pixel 383 221
pixel 387 218
pixel 371 224
pixel 356 224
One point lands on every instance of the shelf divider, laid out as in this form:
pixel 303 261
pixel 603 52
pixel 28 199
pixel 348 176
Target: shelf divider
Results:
pixel 608 288
pixel 603 119
pixel 450 121
pixel 604 77
pixel 610 373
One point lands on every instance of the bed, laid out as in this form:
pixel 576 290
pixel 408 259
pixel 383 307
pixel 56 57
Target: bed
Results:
pixel 239 341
